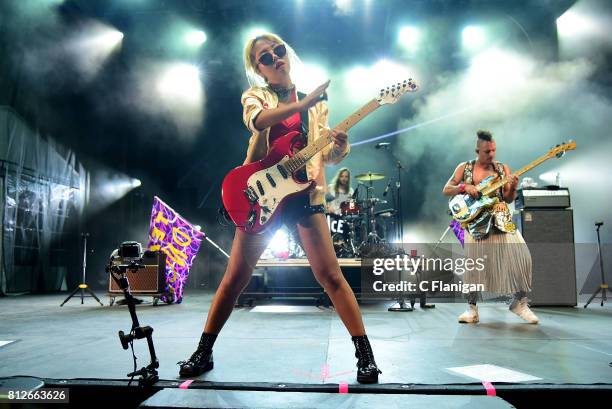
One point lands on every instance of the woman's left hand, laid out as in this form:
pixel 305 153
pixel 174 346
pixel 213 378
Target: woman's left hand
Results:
pixel 340 138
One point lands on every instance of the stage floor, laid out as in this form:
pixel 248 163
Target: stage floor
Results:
pixel 306 344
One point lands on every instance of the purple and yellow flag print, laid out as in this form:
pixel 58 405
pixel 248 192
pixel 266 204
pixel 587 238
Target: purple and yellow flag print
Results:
pixel 458 230
pixel 179 240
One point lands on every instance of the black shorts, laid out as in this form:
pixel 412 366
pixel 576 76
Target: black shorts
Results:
pixel 298 208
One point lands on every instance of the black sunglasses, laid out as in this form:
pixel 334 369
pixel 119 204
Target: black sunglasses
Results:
pixel 267 59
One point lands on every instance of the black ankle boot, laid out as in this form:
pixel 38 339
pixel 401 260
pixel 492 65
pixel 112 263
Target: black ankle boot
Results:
pixel 201 360
pixel 367 371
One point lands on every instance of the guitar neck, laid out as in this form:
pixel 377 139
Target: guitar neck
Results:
pixel 488 190
pixel 303 156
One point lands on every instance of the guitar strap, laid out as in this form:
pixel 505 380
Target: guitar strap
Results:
pixel 304 131
pixel 303 116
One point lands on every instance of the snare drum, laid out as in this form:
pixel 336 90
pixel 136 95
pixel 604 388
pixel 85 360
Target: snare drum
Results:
pixel 350 208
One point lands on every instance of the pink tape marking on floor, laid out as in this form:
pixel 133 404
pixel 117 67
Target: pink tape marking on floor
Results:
pixel 324 371
pixel 343 387
pixel 185 385
pixel 489 388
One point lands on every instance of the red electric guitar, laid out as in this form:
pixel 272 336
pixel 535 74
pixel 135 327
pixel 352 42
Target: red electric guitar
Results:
pixel 254 194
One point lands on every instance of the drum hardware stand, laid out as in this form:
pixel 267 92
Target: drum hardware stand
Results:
pixel 83 286
pixel 372 237
pixel 351 226
pixel 401 305
pixel 603 286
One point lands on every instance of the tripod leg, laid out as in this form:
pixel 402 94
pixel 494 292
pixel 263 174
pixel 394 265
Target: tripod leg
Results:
pixel 70 296
pixel 94 296
pixel 593 296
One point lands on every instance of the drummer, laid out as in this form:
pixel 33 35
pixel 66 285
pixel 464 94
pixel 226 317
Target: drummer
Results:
pixel 339 190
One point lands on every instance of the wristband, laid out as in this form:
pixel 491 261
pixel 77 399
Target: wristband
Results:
pixel 461 187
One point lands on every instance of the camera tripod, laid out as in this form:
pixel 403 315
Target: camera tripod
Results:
pixel 83 286
pixel 148 374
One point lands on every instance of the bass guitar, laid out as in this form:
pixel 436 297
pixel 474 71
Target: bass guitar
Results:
pixel 465 208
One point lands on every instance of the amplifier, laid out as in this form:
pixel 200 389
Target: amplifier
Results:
pixel 549 234
pixel 542 198
pixel 148 280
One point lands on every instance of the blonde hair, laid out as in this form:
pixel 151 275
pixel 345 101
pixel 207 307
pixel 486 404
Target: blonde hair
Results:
pixel 250 65
pixel 336 180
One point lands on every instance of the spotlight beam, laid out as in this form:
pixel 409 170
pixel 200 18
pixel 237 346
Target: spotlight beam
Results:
pixel 415 126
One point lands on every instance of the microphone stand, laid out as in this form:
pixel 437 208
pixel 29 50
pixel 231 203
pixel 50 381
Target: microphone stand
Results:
pixel 603 286
pixel 400 212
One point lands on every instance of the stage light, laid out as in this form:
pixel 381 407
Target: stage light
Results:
pixel 93 45
pixel 195 38
pixel 136 183
pixel 498 71
pixel 309 76
pixel 409 37
pixel 387 72
pixel 344 6
pixel 584 30
pixel 279 244
pixel 181 81
pixel 254 32
pixel 572 23
pixel 362 83
pixel 473 37
pixel 108 188
pixel 111 38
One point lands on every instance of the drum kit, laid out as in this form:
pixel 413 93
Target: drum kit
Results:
pixel 360 223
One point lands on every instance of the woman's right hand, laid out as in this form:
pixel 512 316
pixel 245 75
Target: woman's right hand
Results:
pixel 314 97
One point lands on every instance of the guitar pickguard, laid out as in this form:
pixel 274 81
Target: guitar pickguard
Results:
pixel 271 186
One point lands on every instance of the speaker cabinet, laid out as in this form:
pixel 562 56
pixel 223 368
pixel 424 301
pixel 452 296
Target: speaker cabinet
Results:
pixel 148 280
pixel 549 234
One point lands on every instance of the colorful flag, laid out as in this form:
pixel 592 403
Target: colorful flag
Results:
pixel 458 230
pixel 179 240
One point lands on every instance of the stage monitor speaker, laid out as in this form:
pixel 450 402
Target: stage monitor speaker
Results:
pixel 550 237
pixel 148 280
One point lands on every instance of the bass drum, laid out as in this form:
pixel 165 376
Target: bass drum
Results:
pixel 339 233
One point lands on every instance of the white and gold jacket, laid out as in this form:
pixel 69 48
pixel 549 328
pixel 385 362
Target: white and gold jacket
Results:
pixel 256 99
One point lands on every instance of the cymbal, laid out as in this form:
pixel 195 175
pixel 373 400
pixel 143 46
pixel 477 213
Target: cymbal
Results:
pixel 369 177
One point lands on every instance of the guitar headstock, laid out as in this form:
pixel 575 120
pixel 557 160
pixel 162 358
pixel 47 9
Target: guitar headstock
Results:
pixel 560 149
pixel 392 94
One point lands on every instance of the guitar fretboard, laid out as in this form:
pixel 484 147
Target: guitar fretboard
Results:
pixel 303 156
pixel 488 190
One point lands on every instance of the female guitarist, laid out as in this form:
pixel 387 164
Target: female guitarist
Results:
pixel 272 107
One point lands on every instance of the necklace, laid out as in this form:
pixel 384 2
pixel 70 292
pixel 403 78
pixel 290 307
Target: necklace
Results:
pixel 282 92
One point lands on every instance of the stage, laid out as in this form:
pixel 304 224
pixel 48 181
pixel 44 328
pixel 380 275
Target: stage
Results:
pixel 303 346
